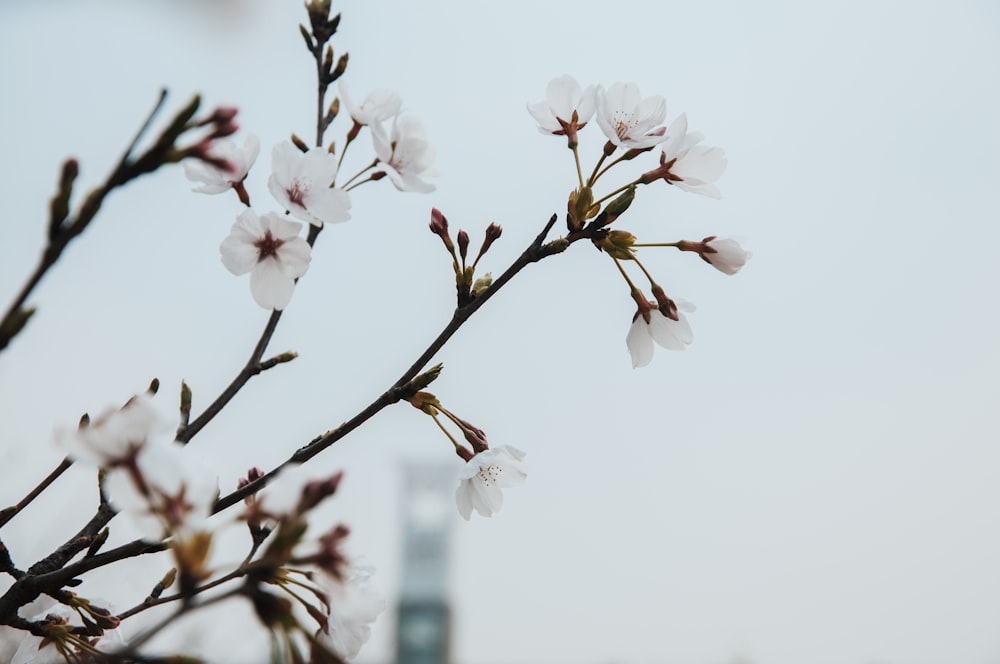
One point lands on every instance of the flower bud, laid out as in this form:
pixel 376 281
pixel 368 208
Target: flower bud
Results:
pixel 578 208
pixel 618 244
pixel 616 208
pixel 666 306
pixel 463 244
pixel 493 232
pixel 482 283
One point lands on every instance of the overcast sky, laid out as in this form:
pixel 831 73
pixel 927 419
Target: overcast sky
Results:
pixel 814 480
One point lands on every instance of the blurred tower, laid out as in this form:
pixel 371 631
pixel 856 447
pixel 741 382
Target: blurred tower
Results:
pixel 423 617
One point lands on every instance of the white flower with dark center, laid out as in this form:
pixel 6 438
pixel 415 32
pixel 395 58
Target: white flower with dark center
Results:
pixel 377 106
pixel 270 249
pixel 483 477
pixel 301 183
pixel 627 119
pixel 406 154
pixel 563 100
pixel 666 332
pixel 167 489
pixel 690 166
pixel 725 253
pixel 217 180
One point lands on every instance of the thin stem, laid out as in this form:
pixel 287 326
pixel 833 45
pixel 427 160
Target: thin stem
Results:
pixel 11 512
pixel 607 168
pixel 579 172
pixel 616 192
pixel 621 269
pixel 360 173
pixel 597 166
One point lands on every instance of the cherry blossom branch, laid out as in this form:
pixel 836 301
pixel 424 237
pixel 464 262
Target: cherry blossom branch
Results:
pixel 323 28
pixel 535 252
pixel 63 228
pixel 50 573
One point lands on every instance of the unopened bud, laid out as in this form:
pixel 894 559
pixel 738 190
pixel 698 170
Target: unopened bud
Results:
pixel 439 226
pixel 482 283
pixel 666 306
pixel 578 207
pixel 59 206
pixel 340 68
pixel 164 583
pixel 299 143
pixel 618 244
pixel 424 401
pixel 313 493
pixel 493 232
pixel 463 243
pixel 185 399
pixel 252 475
pixel 616 208
pixel 426 378
pixel 154 386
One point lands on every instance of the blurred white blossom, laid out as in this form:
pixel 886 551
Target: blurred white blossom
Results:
pixel 167 489
pixel 301 183
pixel 217 180
pixel 113 437
pixel 270 249
pixel 484 476
pixel 354 604
pixel 377 106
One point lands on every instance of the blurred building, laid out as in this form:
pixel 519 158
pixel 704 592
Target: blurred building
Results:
pixel 423 631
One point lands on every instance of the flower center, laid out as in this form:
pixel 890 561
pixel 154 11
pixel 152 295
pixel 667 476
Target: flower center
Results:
pixel 267 246
pixel 490 474
pixel 297 192
pixel 623 123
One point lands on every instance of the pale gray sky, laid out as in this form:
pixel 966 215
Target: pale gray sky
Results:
pixel 814 480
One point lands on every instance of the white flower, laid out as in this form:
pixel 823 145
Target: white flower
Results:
pixel 727 254
pixel 114 437
pixel 377 106
pixel 270 249
pixel 407 154
pixel 354 606
pixel 216 180
pixel 563 99
pixel 483 477
pixel 668 333
pixel 690 166
pixel 301 183
pixel 166 490
pixel 627 119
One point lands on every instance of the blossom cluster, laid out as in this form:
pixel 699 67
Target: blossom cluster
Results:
pixel 303 182
pixel 633 125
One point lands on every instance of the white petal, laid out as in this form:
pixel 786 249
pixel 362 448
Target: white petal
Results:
pixel 464 500
pixel 270 286
pixel 639 343
pixel 670 334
